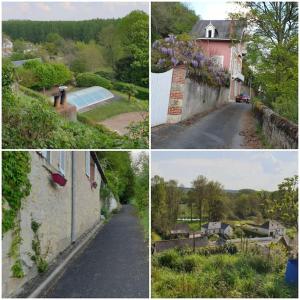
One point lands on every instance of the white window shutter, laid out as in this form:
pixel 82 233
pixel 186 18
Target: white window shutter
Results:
pixel 87 163
pixel 62 162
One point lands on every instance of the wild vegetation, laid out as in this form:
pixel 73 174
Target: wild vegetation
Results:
pixel 183 274
pixel 271 63
pixel 128 180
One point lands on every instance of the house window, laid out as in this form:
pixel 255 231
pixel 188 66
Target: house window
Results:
pixel 209 33
pixel 87 163
pixel 47 156
pixel 61 163
pixel 218 60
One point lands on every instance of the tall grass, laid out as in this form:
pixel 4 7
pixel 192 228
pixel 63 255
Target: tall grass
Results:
pixel 176 274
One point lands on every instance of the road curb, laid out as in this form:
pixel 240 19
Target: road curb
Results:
pixel 57 271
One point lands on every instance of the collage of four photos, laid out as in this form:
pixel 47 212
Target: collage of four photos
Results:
pixel 149 149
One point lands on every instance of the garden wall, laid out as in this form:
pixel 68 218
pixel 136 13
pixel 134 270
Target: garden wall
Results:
pixel 51 206
pixel 160 93
pixel 200 98
pixel 180 243
pixel 175 98
pixel 280 132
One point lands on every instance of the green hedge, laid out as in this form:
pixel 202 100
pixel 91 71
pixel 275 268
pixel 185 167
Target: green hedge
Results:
pixel 142 93
pixel 110 75
pixel 91 79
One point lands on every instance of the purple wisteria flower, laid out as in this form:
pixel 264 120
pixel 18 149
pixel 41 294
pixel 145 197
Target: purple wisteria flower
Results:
pixel 174 61
pixel 194 63
pixel 170 39
pixel 163 50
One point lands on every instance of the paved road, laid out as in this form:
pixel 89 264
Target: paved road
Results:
pixel 114 265
pixel 218 129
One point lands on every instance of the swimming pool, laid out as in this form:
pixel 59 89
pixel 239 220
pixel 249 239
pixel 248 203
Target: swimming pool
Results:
pixel 89 96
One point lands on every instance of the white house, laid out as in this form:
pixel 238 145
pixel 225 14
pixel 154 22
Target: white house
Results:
pixel 217 228
pixel 272 228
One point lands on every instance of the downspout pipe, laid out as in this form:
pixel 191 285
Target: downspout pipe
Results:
pixel 73 209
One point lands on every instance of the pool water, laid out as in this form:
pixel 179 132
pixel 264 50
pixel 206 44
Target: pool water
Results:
pixel 89 96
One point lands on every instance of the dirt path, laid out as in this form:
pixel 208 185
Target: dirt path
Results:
pixel 120 122
pixel 114 265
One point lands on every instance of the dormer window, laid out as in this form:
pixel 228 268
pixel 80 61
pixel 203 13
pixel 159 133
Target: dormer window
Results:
pixel 210 31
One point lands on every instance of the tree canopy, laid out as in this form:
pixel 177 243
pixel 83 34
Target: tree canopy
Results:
pixel 171 18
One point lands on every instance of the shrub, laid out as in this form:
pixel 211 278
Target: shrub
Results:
pixel 91 79
pixel 109 75
pixel 141 92
pixel 168 259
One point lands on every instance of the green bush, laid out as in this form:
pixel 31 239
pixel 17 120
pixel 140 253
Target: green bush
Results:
pixel 91 79
pixel 168 259
pixel 109 75
pixel 142 93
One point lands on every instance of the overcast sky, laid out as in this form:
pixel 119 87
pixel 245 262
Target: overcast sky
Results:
pixel 234 169
pixel 69 10
pixel 213 10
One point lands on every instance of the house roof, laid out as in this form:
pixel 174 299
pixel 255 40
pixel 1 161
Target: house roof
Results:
pixel 267 224
pixel 96 160
pixel 181 226
pixel 215 225
pixel 226 29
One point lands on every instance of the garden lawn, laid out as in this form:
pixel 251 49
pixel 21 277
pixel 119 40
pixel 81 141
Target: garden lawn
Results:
pixel 176 274
pixel 113 108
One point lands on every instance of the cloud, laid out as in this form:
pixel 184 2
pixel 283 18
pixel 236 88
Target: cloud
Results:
pixel 258 171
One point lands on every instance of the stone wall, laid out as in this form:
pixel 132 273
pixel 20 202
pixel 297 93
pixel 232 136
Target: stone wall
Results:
pixel 188 98
pixel 199 98
pixel 280 132
pixel 51 205
pixel 180 243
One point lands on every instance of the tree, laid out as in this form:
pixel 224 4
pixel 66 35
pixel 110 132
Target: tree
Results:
pixel 200 190
pixel 273 52
pixel 130 90
pixel 171 18
pixel 284 206
pixel 215 204
pixel 110 40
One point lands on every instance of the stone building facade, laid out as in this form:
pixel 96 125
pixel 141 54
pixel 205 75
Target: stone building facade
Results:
pixel 64 212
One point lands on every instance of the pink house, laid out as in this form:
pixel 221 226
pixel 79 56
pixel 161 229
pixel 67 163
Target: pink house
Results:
pixel 221 40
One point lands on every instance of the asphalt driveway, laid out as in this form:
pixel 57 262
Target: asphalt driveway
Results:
pixel 218 129
pixel 114 264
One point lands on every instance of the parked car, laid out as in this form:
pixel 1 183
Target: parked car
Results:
pixel 243 97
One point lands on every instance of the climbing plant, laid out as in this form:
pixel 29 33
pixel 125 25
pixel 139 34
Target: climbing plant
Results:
pixel 38 257
pixel 15 185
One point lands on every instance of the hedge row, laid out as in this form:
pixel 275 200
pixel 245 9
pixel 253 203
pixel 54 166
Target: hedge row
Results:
pixel 142 93
pixel 91 79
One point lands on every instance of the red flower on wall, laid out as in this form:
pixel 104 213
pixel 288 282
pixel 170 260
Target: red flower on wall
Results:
pixel 59 179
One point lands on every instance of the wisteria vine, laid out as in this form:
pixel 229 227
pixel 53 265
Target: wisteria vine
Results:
pixel 171 52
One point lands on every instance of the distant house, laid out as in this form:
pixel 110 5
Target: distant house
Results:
pixel 196 234
pixel 217 228
pixel 272 228
pixel 7 47
pixel 221 40
pixel 180 229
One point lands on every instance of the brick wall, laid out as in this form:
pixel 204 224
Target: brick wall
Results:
pixel 176 94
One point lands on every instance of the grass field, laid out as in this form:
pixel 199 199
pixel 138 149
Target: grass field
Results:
pixel 180 275
pixel 113 108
